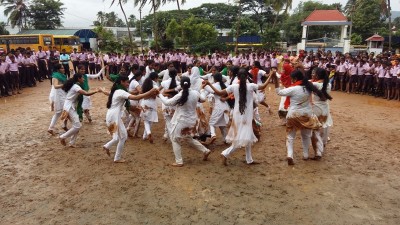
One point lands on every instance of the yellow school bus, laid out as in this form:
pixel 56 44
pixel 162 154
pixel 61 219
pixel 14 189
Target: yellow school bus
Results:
pixel 67 42
pixel 8 42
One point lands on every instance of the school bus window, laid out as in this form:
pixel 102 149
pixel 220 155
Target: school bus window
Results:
pixel 47 40
pixel 57 41
pixel 65 41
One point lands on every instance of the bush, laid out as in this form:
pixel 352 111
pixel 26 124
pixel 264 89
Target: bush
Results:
pixel 209 46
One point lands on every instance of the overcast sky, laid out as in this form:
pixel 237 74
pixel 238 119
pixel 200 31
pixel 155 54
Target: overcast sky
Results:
pixel 82 13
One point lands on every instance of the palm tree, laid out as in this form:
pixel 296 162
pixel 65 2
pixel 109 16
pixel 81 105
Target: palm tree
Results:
pixel 278 6
pixel 155 4
pixel 101 17
pixel 16 10
pixel 120 2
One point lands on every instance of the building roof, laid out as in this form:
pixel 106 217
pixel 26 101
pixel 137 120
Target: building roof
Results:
pixel 326 17
pixel 82 33
pixel 375 37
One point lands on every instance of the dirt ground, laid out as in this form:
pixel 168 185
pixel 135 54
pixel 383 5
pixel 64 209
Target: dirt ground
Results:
pixel 43 182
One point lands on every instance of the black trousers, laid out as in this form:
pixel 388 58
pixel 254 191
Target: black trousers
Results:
pixel 42 69
pixel 75 65
pixel 66 68
pixel 92 68
pixel 4 86
pixel 183 66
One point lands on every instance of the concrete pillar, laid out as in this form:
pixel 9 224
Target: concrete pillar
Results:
pixel 343 33
pixel 346 46
pixel 302 45
pixel 304 35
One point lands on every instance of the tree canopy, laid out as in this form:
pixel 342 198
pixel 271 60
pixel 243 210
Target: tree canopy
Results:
pixel 46 14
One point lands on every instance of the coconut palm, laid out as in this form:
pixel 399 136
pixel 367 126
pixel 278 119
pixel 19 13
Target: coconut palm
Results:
pixel 155 4
pixel 16 10
pixel 278 6
pixel 120 2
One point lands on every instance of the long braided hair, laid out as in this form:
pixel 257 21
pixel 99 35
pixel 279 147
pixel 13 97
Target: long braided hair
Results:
pixel 242 75
pixel 322 75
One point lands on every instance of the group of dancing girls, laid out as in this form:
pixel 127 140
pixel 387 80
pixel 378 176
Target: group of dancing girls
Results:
pixel 233 99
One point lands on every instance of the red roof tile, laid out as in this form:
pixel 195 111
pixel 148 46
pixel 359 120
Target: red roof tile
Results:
pixel 326 15
pixel 375 37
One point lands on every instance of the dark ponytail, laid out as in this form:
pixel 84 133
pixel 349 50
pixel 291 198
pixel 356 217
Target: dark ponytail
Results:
pixel 218 78
pixel 114 88
pixel 173 85
pixel 323 75
pixel 298 75
pixel 148 82
pixel 185 84
pixel 70 82
pixel 137 74
pixel 242 75
pixel 234 70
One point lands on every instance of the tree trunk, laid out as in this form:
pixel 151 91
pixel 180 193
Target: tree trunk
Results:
pixel 177 2
pixel 140 28
pixel 390 25
pixel 127 25
pixel 238 27
pixel 155 25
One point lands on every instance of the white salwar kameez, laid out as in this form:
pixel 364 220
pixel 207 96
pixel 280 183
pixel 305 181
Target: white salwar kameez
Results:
pixel 183 123
pixel 321 110
pixel 135 109
pixel 220 114
pixel 241 133
pixel 149 113
pixel 300 107
pixel 70 112
pixel 168 111
pixel 115 124
pixel 58 101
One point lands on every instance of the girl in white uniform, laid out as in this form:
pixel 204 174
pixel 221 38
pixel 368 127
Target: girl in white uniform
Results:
pixel 58 80
pixel 118 98
pixel 183 123
pixel 220 115
pixel 135 108
pixel 257 77
pixel 170 89
pixel 322 111
pixel 69 110
pixel 240 133
pixel 149 106
pixel 87 103
pixel 300 115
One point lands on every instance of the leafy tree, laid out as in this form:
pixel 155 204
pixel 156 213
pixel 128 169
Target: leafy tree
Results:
pixel 220 14
pixel 46 14
pixel 191 31
pixel 258 11
pixel 270 37
pixel 367 18
pixel 3 30
pixel 17 12
pixel 247 26
pixel 356 39
pixel 106 38
pixel 293 30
